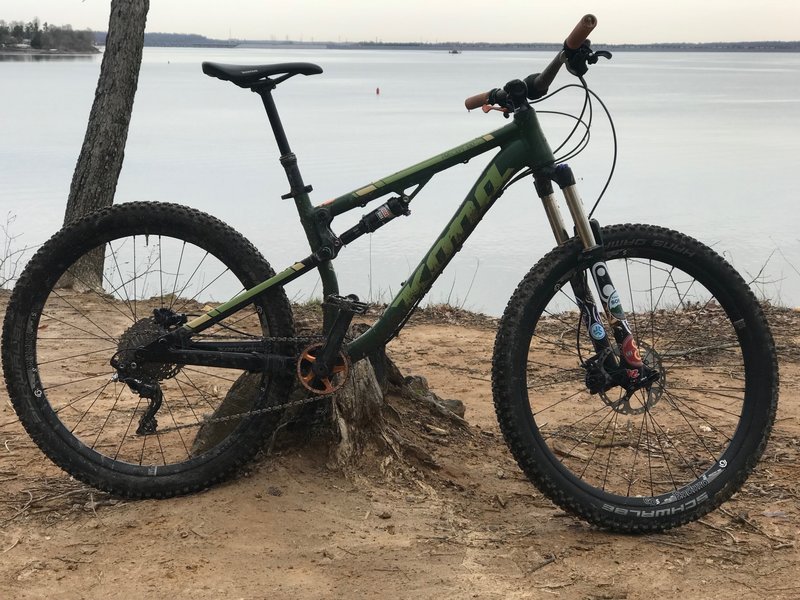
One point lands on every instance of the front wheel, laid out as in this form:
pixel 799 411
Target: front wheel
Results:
pixel 667 453
pixel 68 324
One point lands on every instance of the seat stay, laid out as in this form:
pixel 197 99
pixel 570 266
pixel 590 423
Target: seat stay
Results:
pixel 246 76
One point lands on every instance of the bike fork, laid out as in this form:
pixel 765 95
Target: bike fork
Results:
pixel 605 368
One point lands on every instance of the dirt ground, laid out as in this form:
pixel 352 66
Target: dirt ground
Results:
pixel 471 526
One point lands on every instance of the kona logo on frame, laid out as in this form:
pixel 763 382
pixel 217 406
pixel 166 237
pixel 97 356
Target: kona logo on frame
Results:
pixel 450 242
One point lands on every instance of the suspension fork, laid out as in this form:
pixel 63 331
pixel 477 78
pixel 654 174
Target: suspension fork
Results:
pixel 594 256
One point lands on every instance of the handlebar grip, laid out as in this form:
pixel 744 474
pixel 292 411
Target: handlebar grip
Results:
pixel 477 100
pixel 539 85
pixel 581 32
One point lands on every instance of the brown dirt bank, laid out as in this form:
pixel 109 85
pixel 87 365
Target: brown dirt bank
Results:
pixel 472 528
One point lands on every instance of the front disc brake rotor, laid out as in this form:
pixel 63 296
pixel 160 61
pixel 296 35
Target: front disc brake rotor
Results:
pixel 638 401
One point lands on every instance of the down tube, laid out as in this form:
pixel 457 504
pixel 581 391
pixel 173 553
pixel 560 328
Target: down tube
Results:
pixel 477 203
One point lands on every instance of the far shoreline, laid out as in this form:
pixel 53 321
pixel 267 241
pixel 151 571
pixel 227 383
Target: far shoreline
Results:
pixel 39 52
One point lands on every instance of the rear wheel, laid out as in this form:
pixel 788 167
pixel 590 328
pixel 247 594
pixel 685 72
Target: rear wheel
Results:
pixel 663 455
pixel 65 324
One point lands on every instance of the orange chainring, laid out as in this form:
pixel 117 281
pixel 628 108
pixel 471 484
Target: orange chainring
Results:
pixel 321 385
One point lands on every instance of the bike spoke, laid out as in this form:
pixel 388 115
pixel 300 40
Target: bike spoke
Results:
pixel 197 419
pixel 122 280
pixel 200 392
pixel 174 297
pixel 610 450
pixel 200 291
pixel 697 414
pixel 79 398
pixel 108 416
pixel 178 429
pixel 86 412
pixel 50 388
pixel 107 335
pixel 663 454
pixel 580 391
pixel 735 415
pixel 80 355
pixel 667 436
pixel 611 421
pixel 124 437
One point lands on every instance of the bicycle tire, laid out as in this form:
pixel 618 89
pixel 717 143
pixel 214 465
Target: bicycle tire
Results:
pixel 62 328
pixel 696 434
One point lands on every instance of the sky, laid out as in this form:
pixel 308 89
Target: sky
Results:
pixel 620 21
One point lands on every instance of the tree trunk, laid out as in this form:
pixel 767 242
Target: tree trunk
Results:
pixel 94 181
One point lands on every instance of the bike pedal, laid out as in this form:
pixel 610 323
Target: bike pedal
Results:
pixel 349 303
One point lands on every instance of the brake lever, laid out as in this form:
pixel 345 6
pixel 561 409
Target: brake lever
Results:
pixel 578 60
pixel 595 56
pixel 488 108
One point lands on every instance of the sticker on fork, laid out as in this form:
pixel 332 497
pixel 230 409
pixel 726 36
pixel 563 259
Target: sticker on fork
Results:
pixel 631 352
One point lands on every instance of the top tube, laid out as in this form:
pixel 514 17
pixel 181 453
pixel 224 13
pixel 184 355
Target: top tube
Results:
pixel 419 173
pixel 523 145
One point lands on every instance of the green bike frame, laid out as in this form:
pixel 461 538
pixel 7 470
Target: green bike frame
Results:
pixel 522 145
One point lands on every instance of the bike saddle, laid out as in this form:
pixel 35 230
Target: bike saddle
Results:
pixel 247 75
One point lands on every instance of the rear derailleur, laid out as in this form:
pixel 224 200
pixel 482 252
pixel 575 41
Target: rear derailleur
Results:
pixel 142 377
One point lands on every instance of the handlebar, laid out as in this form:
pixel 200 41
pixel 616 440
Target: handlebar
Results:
pixel 539 83
pixel 581 32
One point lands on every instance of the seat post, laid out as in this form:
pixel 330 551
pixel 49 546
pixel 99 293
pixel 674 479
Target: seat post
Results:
pixel 298 190
pixel 265 91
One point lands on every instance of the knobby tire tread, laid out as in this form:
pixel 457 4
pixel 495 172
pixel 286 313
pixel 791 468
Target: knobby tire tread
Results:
pixel 509 406
pixel 168 219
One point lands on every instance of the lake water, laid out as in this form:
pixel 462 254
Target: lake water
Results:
pixel 708 145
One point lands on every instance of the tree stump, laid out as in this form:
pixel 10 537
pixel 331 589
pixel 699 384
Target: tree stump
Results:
pixel 361 436
pixel 357 414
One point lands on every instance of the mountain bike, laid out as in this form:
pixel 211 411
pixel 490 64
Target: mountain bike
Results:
pixel 634 375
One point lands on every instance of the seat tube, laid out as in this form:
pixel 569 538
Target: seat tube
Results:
pixel 298 190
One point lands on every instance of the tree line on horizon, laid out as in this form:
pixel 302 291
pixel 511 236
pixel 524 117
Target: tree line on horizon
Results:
pixel 45 36
pixel 162 39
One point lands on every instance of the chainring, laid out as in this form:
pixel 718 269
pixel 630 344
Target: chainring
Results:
pixel 321 385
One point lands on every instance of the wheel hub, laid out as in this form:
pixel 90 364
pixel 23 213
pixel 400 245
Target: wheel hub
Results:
pixel 644 390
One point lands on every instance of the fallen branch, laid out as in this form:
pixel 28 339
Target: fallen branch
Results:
pixel 547 560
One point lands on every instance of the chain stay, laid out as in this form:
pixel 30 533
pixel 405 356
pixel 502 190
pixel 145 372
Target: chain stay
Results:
pixel 268 409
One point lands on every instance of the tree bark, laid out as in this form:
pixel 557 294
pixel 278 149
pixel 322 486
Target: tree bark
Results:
pixel 357 415
pixel 94 181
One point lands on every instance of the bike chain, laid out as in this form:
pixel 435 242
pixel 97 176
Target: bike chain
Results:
pixel 260 411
